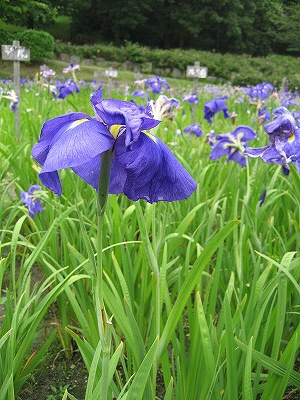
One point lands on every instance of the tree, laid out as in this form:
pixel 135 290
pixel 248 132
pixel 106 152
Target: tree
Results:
pixel 289 27
pixel 27 12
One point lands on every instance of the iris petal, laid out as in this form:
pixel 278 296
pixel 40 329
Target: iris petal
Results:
pixel 76 144
pixel 152 171
pixel 51 181
pixel 120 112
pixel 247 132
pixel 219 150
pixel 89 171
pixel 238 157
pixel 49 131
pixel 253 153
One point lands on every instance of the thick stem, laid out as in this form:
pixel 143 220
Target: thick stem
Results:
pixel 103 184
pixel 104 333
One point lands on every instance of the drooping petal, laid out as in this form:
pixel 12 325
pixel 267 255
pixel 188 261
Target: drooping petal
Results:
pixel 152 171
pixel 255 152
pixel 90 171
pixel 35 207
pixel 77 143
pixel 49 131
pixel 271 155
pixel 246 133
pixel 238 157
pixel 292 144
pixel 51 181
pixel 33 188
pixel 118 177
pixel 284 122
pixel 220 149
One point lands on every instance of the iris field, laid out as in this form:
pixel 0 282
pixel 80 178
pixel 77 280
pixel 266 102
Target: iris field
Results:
pixel 189 299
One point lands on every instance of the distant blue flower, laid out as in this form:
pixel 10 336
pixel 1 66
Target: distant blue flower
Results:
pixel 211 138
pixel 213 106
pixel 29 200
pixel 284 137
pixel 14 99
pixel 296 115
pixel 48 73
pixel 138 93
pixel 157 84
pixel 288 102
pixel 71 68
pixel 66 89
pixel 263 115
pixel 194 129
pixel 191 98
pixel 142 167
pixel 233 144
pixel 261 90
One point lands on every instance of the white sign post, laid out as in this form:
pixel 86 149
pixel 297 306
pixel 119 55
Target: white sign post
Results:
pixel 196 72
pixel 16 53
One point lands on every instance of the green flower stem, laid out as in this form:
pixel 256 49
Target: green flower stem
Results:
pixel 104 331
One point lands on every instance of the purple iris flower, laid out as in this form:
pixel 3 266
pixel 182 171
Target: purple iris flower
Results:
pixel 213 106
pixel 138 93
pixel 233 144
pixel 71 68
pixel 211 138
pixel 263 115
pixel 284 137
pixel 288 102
pixel 157 84
pixel 143 167
pixel 194 129
pixel 48 73
pixel 191 98
pixel 14 100
pixel 29 200
pixel 261 90
pixel 66 89
pixel 163 107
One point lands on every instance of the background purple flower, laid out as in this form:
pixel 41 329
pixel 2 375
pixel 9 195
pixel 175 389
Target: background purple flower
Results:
pixel 284 137
pixel 211 107
pixel 138 93
pixel 233 144
pixel 71 68
pixel 261 90
pixel 157 84
pixel 194 129
pixel 191 98
pixel 263 115
pixel 66 89
pixel 29 200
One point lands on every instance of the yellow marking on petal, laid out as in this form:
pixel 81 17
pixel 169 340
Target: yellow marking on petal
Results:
pixel 114 130
pixel 291 139
pixel 150 136
pixel 36 168
pixel 76 123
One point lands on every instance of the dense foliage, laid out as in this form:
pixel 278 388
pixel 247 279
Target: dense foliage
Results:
pixel 256 27
pixel 202 294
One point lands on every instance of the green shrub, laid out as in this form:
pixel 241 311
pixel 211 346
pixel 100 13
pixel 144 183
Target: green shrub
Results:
pixel 238 69
pixel 40 43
